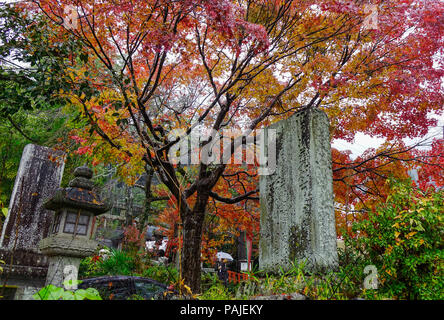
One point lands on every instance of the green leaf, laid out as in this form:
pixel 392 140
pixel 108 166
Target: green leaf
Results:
pixel 80 294
pixel 71 282
pixel 49 292
pixel 68 295
pixel 90 294
pixel 5 211
pixel 52 292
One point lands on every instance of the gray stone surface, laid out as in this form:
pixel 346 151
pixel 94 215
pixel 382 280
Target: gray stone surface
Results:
pixel 56 275
pixel 26 292
pixel 39 175
pixel 25 289
pixel 68 245
pixel 297 214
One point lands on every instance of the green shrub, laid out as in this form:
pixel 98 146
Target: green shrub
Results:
pixel 51 292
pixel 161 273
pixel 118 263
pixel 89 267
pixel 403 239
pixel 208 280
pixel 351 274
pixel 216 292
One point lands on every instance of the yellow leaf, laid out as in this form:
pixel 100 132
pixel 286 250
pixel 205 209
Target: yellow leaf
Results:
pixel 411 234
pixel 187 288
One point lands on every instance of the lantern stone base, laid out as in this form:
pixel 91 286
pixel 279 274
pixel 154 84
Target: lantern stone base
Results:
pixel 64 255
pixel 57 274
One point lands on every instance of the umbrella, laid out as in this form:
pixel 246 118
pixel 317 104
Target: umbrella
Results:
pixel 223 255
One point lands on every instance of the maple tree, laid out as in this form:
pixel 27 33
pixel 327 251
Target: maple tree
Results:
pixel 224 220
pixel 360 184
pixel 431 165
pixel 156 66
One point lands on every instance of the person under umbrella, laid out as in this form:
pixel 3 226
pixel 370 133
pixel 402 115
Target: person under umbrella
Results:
pixel 222 271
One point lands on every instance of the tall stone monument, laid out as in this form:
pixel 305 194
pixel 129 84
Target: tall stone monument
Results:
pixel 297 213
pixel 39 175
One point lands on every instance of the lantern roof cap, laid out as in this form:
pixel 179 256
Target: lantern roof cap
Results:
pixel 78 195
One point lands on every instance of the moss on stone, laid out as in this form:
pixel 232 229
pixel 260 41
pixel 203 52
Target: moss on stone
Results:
pixel 299 241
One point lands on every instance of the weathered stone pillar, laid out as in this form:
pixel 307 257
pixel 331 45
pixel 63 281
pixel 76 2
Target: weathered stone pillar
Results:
pixel 38 177
pixel 297 213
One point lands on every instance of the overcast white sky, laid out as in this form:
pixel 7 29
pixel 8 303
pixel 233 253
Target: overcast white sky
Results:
pixel 363 142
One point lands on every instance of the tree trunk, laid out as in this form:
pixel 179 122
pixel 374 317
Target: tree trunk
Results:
pixel 191 251
pixel 193 221
pixel 144 218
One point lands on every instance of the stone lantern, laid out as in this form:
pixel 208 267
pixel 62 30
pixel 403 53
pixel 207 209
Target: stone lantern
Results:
pixel 70 237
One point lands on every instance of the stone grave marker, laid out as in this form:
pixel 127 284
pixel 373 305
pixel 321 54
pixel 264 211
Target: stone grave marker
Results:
pixel 297 213
pixel 39 175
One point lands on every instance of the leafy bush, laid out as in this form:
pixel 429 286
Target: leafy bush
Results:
pixel 89 267
pixel 216 292
pixel 52 292
pixel 403 239
pixel 125 263
pixel 133 239
pixel 118 263
pixel 341 284
pixel 161 273
pixel 208 280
